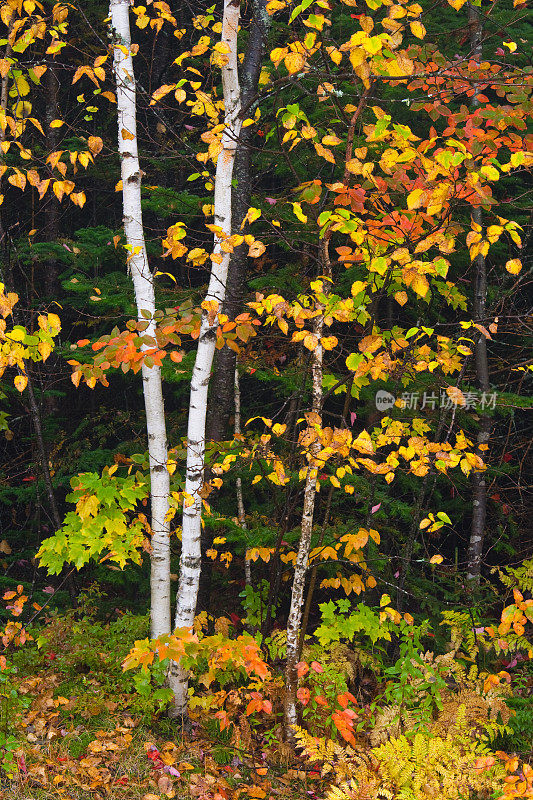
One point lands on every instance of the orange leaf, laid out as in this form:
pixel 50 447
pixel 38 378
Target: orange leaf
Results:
pixel 95 144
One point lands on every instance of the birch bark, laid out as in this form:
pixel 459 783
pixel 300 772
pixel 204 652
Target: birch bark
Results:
pixel 145 299
pixel 221 387
pixel 302 560
pixel 479 482
pixel 190 562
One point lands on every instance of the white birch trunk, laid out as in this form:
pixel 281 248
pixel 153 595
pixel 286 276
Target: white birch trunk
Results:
pixel 300 568
pixel 190 562
pixel 479 482
pixel 145 299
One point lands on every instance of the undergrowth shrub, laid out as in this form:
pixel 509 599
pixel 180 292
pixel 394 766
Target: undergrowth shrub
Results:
pixel 424 767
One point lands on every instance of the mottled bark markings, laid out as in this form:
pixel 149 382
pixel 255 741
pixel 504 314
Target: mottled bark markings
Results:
pixel 302 559
pixel 222 385
pixel 192 514
pixel 479 484
pixel 145 300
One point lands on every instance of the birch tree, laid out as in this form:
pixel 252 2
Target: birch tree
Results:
pixel 479 481
pixel 222 384
pixel 190 562
pixel 145 300
pixel 302 559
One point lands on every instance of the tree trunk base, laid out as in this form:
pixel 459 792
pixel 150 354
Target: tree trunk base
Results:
pixel 182 720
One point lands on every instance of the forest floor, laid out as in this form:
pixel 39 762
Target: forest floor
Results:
pixel 74 725
pixel 108 752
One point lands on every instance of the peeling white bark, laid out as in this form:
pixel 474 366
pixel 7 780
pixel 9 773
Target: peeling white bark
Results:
pixel 479 483
pixel 190 562
pixel 145 299
pixel 300 568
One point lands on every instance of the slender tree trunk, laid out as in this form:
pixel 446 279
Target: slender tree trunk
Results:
pixel 51 206
pixel 290 706
pixel 314 571
pixel 314 574
pixel 302 560
pixel 479 483
pixel 4 97
pixel 47 477
pixel 145 300
pixel 190 563
pixel 221 392
pixel 240 501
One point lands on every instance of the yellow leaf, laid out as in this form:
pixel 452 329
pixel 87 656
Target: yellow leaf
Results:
pixel 510 45
pixel 369 344
pixel 310 341
pixel 358 287
pixel 54 321
pixel 420 285
pixel 374 535
pixel 95 144
pixel 78 198
pixel 329 342
pixel 331 140
pixel 44 349
pixel 357 57
pixel 294 62
pixel 256 249
pixel 456 395
pixel 414 199
pixel 514 266
pixel 490 172
pixel 418 30
pixel 401 298
pixel 56 123
pixel 329 553
pixel 437 559
pixel 251 215
pixel 324 152
pixel 87 506
pixel 372 45
pixel 21 381
pixel 354 166
pixel 363 443
pixel 297 209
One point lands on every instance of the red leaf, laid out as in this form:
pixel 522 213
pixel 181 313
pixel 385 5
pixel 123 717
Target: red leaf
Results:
pixel 303 694
pixel 302 668
pixel 345 698
pixel 320 700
